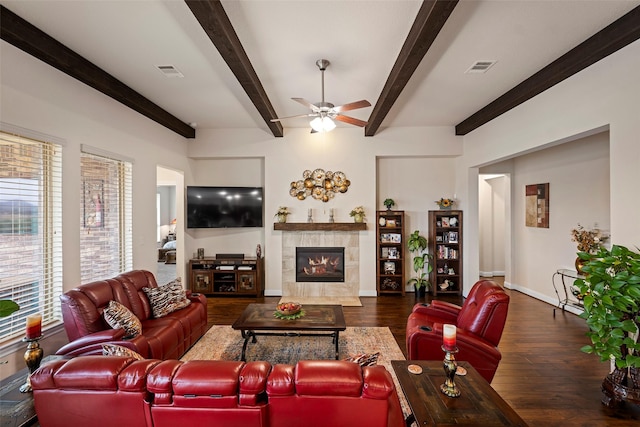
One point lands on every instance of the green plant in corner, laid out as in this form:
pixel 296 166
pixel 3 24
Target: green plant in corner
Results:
pixel 389 203
pixel 611 292
pixel 417 245
pixel 8 307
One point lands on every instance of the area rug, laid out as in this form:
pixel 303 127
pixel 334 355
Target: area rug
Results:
pixel 224 343
pixel 343 301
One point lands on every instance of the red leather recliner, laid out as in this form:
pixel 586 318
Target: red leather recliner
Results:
pixel 480 322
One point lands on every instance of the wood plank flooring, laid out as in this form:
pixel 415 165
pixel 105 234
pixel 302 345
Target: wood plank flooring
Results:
pixel 542 375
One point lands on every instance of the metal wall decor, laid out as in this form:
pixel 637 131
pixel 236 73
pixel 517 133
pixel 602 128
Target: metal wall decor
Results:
pixel 320 185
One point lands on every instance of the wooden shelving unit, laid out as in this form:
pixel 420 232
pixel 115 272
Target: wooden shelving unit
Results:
pixel 445 244
pixel 390 249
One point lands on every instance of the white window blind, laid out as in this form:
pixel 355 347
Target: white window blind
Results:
pixel 30 231
pixel 105 216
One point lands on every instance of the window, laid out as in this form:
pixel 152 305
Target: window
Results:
pixel 30 231
pixel 105 216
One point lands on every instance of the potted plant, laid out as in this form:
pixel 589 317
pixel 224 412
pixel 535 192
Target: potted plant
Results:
pixel 389 203
pixel 358 214
pixel 417 245
pixel 589 241
pixel 282 213
pixel 445 203
pixel 611 297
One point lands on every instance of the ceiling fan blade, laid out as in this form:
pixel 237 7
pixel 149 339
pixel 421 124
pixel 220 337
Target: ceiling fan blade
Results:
pixel 294 117
pixel 307 104
pixel 352 106
pixel 351 120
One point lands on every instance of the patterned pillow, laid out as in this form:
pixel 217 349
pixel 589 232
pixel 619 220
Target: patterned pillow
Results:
pixel 120 317
pixel 364 359
pixel 167 298
pixel 118 350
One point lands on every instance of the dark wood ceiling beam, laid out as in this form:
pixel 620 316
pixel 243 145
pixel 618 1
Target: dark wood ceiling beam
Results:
pixel 429 21
pixel 614 37
pixel 27 37
pixel 216 24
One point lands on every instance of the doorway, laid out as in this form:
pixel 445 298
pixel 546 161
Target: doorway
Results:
pixel 169 236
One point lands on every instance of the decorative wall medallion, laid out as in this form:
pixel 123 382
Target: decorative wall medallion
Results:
pixel 320 185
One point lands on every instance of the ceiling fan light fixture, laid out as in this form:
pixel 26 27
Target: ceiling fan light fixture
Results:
pixel 322 124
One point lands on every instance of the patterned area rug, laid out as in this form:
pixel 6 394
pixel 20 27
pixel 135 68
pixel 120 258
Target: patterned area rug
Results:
pixel 224 343
pixel 343 301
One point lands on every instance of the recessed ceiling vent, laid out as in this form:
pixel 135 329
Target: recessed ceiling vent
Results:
pixel 480 67
pixel 169 71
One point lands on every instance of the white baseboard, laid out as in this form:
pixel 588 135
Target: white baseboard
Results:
pixel 544 298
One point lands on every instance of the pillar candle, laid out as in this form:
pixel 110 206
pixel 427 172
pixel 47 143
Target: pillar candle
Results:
pixel 34 326
pixel 449 337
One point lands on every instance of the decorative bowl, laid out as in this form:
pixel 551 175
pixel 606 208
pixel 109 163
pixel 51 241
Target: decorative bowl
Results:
pixel 288 308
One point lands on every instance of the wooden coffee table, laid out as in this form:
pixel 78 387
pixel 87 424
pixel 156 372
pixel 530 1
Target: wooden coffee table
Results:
pixel 477 405
pixel 319 320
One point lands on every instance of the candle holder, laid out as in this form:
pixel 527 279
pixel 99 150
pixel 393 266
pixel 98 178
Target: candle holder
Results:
pixel 309 216
pixel 449 387
pixel 32 357
pixel 331 216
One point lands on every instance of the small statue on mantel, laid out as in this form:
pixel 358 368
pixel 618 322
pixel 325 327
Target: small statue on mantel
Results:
pixel 258 251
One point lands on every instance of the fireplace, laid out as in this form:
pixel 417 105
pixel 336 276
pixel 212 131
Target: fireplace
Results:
pixel 319 264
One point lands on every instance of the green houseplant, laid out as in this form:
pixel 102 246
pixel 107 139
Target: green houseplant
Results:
pixel 417 246
pixel 611 297
pixel 389 203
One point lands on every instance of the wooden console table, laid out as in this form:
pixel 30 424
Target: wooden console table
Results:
pixel 477 405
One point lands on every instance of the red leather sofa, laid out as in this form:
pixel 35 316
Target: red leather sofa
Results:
pixel 167 337
pixel 120 391
pixel 479 325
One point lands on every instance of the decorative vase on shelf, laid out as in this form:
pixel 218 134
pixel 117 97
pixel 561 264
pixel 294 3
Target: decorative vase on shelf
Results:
pixel 445 208
pixel 358 217
pixel 580 263
pixel 282 218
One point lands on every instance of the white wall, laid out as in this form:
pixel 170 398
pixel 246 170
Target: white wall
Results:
pixel 421 172
pixel 35 98
pixel 604 96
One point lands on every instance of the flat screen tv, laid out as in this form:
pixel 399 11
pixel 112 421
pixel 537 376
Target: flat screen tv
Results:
pixel 224 207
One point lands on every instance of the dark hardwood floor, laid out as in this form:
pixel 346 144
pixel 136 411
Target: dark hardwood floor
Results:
pixel 543 374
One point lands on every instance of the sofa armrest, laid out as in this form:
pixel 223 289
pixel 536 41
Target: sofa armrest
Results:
pixel 92 344
pixel 438 308
pixel 197 297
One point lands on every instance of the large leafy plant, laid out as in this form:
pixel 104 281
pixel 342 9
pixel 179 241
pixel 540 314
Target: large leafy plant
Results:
pixel 417 245
pixel 611 290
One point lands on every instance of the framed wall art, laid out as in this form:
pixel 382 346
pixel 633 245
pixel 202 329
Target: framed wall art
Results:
pixel 537 205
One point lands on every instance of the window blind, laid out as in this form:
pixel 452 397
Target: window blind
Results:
pixel 30 231
pixel 106 217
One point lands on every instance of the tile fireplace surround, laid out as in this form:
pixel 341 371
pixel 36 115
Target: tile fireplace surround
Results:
pixel 350 240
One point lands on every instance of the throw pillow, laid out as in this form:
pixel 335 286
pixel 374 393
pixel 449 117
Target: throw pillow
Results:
pixel 118 350
pixel 364 359
pixel 167 298
pixel 120 317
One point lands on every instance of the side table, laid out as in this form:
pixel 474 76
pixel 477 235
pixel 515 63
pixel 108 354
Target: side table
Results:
pixel 569 298
pixel 16 408
pixel 477 405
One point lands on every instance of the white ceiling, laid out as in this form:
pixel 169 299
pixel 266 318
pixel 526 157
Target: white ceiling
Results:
pixel 284 38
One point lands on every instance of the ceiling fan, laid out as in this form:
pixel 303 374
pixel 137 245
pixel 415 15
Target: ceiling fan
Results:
pixel 326 112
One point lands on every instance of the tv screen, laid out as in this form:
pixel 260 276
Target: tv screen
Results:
pixel 224 207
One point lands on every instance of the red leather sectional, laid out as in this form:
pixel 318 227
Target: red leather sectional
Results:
pixel 119 391
pixel 163 338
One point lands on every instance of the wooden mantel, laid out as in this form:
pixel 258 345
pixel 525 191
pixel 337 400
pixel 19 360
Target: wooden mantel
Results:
pixel 320 226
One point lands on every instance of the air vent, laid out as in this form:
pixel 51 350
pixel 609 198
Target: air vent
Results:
pixel 169 71
pixel 480 66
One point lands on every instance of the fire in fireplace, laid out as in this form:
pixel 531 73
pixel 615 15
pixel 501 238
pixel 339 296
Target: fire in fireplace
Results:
pixel 315 264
